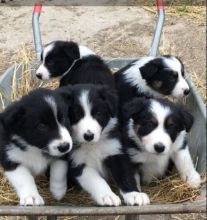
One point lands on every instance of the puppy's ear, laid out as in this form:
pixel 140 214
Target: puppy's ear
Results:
pixel 110 97
pixel 150 69
pixel 187 119
pixel 13 115
pixel 133 108
pixel 71 49
pixel 66 93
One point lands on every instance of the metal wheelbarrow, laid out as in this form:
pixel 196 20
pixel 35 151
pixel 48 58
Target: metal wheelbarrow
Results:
pixel 197 141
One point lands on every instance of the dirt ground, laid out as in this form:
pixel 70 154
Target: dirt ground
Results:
pixel 112 31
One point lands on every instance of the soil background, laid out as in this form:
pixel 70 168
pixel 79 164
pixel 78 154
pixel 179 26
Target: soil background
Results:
pixel 111 31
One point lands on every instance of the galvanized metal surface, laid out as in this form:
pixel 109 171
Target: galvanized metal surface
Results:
pixel 197 143
pixel 36 30
pixel 199 207
pixel 158 31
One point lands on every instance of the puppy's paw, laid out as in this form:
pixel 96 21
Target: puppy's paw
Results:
pixel 31 200
pixel 58 190
pixel 109 199
pixel 136 198
pixel 193 180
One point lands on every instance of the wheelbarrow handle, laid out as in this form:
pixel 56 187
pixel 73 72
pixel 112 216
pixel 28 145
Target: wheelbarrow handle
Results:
pixel 160 5
pixel 159 26
pixel 36 30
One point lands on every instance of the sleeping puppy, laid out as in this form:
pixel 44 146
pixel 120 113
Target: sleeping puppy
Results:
pixel 152 76
pixel 156 132
pixel 58 57
pixel 34 135
pixel 98 152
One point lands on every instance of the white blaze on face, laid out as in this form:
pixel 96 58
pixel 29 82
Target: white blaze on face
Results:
pixel 181 85
pixel 158 135
pixel 86 125
pixel 42 71
pixel 64 138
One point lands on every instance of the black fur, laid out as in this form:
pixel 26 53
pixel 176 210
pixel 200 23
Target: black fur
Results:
pixel 90 69
pixel 104 103
pixel 33 121
pixel 61 57
pixel 144 122
pixel 158 76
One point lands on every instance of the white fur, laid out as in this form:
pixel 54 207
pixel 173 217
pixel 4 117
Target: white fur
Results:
pixel 58 178
pixel 51 102
pixel 32 157
pixel 87 124
pixel 154 165
pixel 98 188
pixel 136 198
pixel 181 85
pixel 85 51
pixel 92 155
pixel 185 167
pixel 134 77
pixel 42 70
pixel 24 184
pixel 158 135
pixel 64 136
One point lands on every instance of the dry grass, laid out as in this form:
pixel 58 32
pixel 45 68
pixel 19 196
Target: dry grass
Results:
pixel 195 14
pixel 169 190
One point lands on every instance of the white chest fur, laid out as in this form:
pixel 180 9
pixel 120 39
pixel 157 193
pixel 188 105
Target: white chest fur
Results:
pixel 153 165
pixel 92 155
pixel 32 158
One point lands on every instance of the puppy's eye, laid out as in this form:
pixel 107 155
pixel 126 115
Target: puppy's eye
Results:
pixel 170 125
pixel 42 127
pixel 49 63
pixel 151 123
pixel 174 76
pixel 98 113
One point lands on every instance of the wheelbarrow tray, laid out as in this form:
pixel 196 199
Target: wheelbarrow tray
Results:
pixel 197 145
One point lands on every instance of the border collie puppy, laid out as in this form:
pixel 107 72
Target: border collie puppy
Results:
pixel 156 134
pixel 98 152
pixel 34 135
pixel 152 76
pixel 58 57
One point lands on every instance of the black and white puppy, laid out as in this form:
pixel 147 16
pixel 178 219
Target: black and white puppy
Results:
pixel 156 133
pixel 98 152
pixel 152 76
pixel 34 135
pixel 58 57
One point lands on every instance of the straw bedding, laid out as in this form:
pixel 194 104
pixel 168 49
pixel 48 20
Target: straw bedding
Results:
pixel 169 190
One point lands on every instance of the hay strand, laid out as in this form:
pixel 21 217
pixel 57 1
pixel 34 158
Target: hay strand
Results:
pixel 169 190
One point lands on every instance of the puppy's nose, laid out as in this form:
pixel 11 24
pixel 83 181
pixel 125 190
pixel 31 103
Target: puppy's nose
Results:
pixel 63 147
pixel 88 136
pixel 186 91
pixel 159 148
pixel 38 75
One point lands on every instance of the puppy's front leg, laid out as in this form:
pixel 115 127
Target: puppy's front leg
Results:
pixel 25 186
pixel 58 178
pixel 123 173
pixel 93 183
pixel 184 164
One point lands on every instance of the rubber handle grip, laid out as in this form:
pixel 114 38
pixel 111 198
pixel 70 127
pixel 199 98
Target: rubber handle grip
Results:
pixel 37 8
pixel 160 4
